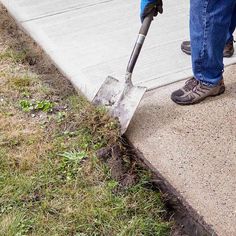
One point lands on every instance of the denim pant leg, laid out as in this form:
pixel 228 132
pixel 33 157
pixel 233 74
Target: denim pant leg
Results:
pixel 232 27
pixel 209 25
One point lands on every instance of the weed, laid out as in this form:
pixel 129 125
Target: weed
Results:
pixel 74 155
pixel 44 105
pixel 26 105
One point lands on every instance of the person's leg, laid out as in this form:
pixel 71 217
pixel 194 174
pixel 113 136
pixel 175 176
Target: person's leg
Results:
pixel 229 48
pixel 232 27
pixel 209 24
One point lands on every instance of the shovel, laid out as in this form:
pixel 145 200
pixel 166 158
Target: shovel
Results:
pixel 122 99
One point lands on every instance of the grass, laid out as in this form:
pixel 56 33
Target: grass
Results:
pixel 12 55
pixel 51 182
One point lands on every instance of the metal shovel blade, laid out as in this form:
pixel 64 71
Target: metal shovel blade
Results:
pixel 125 108
pixel 120 105
pixel 109 93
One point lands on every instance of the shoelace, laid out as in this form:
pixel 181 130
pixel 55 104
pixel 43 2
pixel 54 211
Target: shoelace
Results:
pixel 190 84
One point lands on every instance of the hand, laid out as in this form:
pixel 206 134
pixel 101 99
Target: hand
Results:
pixel 148 5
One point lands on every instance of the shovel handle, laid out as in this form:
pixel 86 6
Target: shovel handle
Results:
pixel 140 41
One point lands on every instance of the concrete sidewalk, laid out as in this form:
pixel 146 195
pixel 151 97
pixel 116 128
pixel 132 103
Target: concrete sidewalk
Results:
pixel 192 148
pixel 90 39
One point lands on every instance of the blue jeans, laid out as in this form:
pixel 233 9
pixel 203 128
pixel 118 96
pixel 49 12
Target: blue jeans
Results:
pixel 212 23
pixel 232 26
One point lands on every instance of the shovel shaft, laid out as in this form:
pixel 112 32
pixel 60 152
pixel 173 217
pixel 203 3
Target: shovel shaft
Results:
pixel 139 43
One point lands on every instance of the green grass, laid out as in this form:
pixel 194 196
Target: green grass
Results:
pixel 51 182
pixel 13 55
pixel 68 191
pixel 63 197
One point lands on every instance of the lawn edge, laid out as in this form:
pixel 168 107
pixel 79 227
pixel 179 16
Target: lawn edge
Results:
pixel 184 214
pixel 187 217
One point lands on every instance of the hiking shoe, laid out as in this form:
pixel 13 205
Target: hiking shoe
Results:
pixel 186 47
pixel 228 50
pixel 195 91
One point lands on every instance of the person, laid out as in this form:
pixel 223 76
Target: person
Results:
pixel 212 23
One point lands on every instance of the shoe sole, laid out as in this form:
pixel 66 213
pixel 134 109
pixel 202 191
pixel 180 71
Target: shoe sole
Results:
pixel 186 51
pixel 222 90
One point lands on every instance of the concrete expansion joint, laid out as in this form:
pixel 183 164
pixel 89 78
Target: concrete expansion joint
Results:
pixel 65 11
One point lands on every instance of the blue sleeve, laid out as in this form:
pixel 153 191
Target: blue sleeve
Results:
pixel 145 3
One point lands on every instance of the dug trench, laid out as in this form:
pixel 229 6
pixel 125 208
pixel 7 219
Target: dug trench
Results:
pixel 124 161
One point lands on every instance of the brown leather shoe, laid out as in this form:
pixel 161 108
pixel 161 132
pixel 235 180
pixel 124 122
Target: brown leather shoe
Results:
pixel 228 50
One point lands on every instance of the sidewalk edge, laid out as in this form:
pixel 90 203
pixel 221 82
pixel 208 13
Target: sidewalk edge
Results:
pixel 185 215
